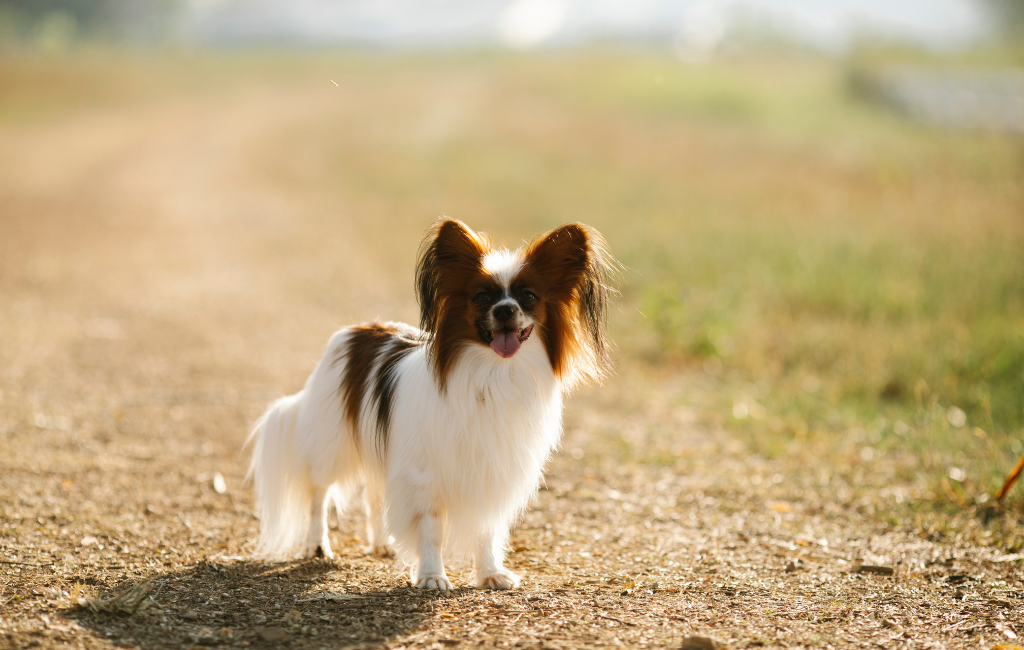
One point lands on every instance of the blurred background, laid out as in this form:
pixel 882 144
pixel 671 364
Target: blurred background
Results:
pixel 690 28
pixel 819 205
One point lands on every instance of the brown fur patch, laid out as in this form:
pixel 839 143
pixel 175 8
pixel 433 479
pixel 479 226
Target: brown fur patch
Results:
pixel 449 273
pixel 403 342
pixel 372 353
pixel 570 267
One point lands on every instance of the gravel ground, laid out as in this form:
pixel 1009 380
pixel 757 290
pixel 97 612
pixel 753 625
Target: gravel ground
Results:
pixel 156 291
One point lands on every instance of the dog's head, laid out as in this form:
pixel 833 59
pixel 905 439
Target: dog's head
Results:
pixel 554 290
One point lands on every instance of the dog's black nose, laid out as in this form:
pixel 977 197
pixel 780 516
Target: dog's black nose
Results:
pixel 504 312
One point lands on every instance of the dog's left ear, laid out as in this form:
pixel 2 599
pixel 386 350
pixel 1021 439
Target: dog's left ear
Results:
pixel 560 257
pixel 576 265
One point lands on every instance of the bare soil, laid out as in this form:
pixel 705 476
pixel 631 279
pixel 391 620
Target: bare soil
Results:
pixel 163 276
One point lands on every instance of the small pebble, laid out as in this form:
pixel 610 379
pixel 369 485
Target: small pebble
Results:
pixel 219 486
pixel 700 643
pixel 272 634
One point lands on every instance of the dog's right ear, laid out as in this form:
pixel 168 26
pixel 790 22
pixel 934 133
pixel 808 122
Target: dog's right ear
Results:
pixel 449 256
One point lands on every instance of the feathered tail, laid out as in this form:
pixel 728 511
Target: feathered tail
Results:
pixel 283 488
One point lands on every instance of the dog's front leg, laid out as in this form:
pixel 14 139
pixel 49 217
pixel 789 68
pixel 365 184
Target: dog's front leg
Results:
pixel 429 570
pixel 490 563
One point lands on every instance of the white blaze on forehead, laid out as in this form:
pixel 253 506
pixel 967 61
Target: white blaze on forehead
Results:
pixel 503 265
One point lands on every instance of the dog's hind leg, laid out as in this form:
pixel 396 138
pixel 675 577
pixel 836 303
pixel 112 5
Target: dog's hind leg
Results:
pixel 318 544
pixel 378 541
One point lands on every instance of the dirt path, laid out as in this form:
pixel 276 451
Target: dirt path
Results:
pixel 158 285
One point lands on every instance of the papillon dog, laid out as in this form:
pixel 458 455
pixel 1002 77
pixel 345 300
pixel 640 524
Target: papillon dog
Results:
pixel 447 427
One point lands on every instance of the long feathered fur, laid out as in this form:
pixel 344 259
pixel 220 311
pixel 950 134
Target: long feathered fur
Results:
pixel 448 438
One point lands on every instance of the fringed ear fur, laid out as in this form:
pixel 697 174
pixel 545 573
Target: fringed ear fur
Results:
pixel 449 250
pixel 450 256
pixel 578 267
pixel 574 264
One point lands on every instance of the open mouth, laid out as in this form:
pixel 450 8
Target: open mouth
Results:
pixel 505 342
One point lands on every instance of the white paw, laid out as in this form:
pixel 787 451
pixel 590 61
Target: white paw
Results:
pixel 438 581
pixel 381 550
pixel 502 579
pixel 323 549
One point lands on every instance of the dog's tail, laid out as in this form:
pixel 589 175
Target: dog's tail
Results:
pixel 283 489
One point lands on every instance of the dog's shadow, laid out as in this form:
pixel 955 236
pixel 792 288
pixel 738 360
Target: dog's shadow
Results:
pixel 251 604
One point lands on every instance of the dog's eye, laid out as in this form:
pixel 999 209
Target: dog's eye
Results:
pixel 481 298
pixel 528 297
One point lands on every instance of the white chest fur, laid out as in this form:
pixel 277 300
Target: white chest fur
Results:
pixel 477 450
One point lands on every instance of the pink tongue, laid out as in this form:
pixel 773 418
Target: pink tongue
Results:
pixel 505 343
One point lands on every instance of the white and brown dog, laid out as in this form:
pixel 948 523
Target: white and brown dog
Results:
pixel 447 428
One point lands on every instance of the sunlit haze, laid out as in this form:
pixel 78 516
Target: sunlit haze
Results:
pixel 694 25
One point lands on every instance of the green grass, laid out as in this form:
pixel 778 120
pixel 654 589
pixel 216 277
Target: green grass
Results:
pixel 840 276
pixel 845 292
pixel 834 266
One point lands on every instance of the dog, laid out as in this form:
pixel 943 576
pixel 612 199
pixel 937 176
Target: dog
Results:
pixel 446 427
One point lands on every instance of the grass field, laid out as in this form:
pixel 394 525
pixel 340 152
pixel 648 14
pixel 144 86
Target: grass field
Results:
pixel 820 337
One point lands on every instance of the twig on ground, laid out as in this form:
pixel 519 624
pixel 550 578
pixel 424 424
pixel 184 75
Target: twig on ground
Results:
pixel 612 618
pixel 1011 479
